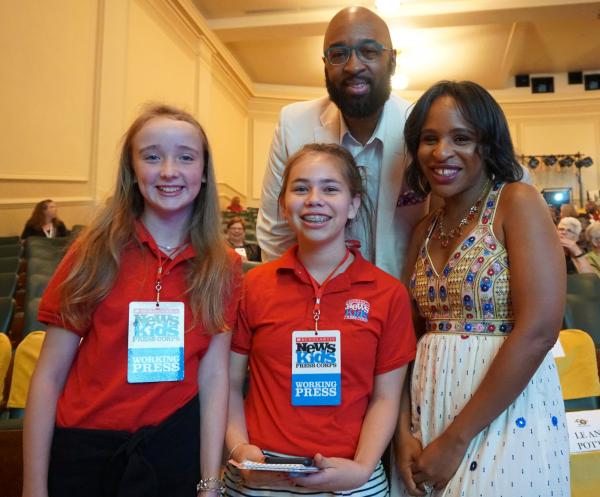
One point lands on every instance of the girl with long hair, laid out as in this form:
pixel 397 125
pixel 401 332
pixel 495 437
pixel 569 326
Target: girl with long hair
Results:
pixel 150 290
pixel 327 337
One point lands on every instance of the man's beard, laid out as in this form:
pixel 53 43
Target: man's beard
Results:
pixel 361 105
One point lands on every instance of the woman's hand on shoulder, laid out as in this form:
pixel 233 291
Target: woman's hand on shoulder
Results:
pixel 406 452
pixel 336 474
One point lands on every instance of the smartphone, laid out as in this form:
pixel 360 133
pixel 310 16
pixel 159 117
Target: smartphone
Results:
pixel 305 461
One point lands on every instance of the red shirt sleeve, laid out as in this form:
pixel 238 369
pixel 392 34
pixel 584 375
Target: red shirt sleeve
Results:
pixel 398 344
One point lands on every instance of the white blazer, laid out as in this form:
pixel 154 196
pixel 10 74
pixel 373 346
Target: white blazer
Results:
pixel 318 121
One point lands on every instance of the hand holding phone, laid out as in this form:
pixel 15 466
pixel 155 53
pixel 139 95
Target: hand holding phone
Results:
pixel 305 461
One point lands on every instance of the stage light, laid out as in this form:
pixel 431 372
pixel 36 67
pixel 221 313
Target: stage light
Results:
pixel 533 162
pixel 585 162
pixel 550 160
pixel 566 161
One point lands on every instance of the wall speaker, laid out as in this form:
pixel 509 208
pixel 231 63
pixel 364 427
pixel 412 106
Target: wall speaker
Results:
pixel 542 85
pixel 575 78
pixel 521 80
pixel 592 81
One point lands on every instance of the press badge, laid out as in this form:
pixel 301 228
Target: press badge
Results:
pixel 316 368
pixel 155 342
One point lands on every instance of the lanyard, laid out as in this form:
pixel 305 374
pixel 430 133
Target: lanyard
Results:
pixel 162 269
pixel 320 289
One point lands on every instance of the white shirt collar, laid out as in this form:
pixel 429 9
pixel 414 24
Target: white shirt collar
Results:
pixel 346 136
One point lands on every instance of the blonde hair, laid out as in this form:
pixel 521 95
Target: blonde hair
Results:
pixel 98 256
pixel 573 223
pixel 568 210
pixel 592 233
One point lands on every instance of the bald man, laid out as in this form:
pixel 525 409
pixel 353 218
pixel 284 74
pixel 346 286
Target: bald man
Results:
pixel 360 114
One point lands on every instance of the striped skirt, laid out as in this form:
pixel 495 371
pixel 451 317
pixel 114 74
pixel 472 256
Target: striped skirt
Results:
pixel 376 486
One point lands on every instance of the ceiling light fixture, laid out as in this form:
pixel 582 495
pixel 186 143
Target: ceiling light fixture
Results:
pixel 585 162
pixel 387 6
pixel 400 81
pixel 566 161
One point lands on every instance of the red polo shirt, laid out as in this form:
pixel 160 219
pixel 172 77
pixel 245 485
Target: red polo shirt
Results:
pixel 96 393
pixel 277 299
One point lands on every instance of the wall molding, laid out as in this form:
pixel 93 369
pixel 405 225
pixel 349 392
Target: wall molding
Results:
pixel 43 178
pixel 19 203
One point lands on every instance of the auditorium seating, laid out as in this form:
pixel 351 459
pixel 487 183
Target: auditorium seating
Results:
pixel 9 264
pixel 583 284
pixel 11 250
pixel 7 310
pixel 578 371
pixel 5 358
pixel 9 240
pixel 25 359
pixel 583 312
pixel 8 284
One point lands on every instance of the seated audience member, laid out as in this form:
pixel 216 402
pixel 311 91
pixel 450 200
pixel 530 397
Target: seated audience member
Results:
pixel 592 210
pixel 236 238
pixel 44 222
pixel 555 213
pixel 568 210
pixel 592 234
pixel 569 230
pixel 235 205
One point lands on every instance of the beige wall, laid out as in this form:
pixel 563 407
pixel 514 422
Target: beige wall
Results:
pixel 75 73
pixel 546 125
pixel 559 127
pixel 48 52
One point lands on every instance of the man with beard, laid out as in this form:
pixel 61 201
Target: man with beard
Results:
pixel 362 116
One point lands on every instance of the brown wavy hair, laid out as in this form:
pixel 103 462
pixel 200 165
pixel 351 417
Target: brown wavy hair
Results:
pixel 38 216
pixel 349 171
pixel 98 255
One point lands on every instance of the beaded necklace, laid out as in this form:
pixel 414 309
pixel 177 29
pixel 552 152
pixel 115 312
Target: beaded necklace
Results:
pixel 442 235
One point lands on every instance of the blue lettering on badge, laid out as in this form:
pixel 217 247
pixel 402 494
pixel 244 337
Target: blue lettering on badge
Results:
pixel 152 365
pixel 148 327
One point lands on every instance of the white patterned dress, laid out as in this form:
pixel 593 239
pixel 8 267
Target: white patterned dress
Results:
pixel 524 451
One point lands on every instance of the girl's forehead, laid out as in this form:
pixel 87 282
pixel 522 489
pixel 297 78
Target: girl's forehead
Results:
pixel 162 129
pixel 316 164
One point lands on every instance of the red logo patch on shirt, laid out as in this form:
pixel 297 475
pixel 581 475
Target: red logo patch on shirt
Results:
pixel 357 309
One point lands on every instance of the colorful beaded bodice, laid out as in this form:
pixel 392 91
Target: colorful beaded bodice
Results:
pixel 472 292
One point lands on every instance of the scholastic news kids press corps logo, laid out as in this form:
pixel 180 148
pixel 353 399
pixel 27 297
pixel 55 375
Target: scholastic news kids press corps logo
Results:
pixel 357 309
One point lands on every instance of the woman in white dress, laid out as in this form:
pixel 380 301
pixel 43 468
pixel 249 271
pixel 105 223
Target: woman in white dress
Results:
pixel 486 271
